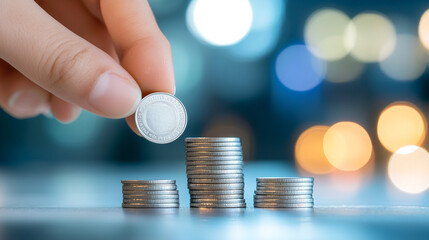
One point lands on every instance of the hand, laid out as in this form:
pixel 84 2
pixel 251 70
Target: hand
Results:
pixel 100 55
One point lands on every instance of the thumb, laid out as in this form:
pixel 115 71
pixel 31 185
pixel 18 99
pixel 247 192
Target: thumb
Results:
pixel 63 63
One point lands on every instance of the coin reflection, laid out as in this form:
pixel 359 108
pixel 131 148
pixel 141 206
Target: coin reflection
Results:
pixel 230 212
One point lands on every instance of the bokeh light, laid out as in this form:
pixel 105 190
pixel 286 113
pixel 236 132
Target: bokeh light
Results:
pixel 347 146
pixel 344 70
pixel 298 69
pixel 401 124
pixel 325 34
pixel 232 126
pixel 407 61
pixel 264 33
pixel 424 29
pixel 372 37
pixel 408 169
pixel 220 22
pixel 309 151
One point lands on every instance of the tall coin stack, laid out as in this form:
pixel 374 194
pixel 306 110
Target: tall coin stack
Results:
pixel 289 192
pixel 215 172
pixel 150 194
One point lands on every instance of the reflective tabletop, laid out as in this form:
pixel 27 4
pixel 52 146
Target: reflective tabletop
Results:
pixel 322 222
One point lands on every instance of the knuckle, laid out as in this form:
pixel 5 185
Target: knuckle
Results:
pixel 58 64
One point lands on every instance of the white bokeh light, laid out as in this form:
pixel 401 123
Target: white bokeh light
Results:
pixel 407 61
pixel 408 169
pixel 372 37
pixel 424 29
pixel 220 22
pixel 325 34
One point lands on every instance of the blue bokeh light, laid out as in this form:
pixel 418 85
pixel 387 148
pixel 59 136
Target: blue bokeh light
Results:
pixel 298 69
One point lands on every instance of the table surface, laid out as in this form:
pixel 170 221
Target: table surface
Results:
pixel 322 222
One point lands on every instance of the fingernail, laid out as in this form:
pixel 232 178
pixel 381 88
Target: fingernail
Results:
pixel 26 103
pixel 114 96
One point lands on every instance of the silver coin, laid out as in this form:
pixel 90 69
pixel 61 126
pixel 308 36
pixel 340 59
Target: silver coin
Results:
pixel 219 180
pixel 213 144
pixel 226 186
pixel 145 185
pixel 214 205
pixel 215 158
pixel 144 205
pixel 161 117
pixel 150 192
pixel 148 181
pixel 214 167
pixel 217 201
pixel 284 184
pixel 211 139
pixel 286 197
pixel 280 189
pixel 216 192
pixel 210 163
pixel 212 172
pixel 306 192
pixel 155 187
pixel 197 176
pixel 284 201
pixel 149 201
pixel 142 196
pixel 213 149
pixel 218 196
pixel 221 154
pixel 285 179
pixel 213 162
pixel 283 205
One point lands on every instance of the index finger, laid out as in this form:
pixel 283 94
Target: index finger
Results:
pixel 145 52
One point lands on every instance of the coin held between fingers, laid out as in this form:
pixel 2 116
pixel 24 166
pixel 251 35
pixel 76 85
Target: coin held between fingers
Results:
pixel 161 118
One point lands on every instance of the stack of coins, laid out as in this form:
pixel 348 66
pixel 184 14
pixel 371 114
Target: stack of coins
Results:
pixel 289 192
pixel 215 172
pixel 150 194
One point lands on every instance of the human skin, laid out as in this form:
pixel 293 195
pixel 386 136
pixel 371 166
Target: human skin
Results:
pixel 58 56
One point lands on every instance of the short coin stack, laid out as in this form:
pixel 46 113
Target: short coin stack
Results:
pixel 215 172
pixel 289 192
pixel 150 194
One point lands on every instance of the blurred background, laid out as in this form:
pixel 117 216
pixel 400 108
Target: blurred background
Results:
pixel 330 89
